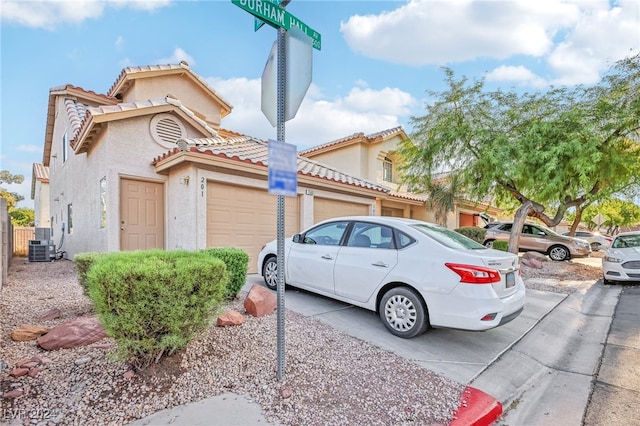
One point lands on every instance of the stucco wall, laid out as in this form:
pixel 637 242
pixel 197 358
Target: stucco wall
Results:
pixel 42 216
pixel 351 159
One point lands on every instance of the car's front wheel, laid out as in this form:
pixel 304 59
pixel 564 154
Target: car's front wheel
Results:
pixel 595 246
pixel 488 244
pixel 559 253
pixel 403 313
pixel 270 273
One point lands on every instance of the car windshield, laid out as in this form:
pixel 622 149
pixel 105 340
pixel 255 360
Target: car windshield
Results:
pixel 625 241
pixel 447 237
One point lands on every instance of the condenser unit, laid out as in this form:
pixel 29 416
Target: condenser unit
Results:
pixel 41 250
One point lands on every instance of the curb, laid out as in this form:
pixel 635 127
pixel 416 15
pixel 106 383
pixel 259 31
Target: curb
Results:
pixel 476 409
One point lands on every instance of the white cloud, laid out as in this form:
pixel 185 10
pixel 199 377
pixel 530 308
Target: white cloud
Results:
pixel 517 74
pixel 178 55
pixel 49 14
pixel 576 39
pixel 319 120
pixel 119 42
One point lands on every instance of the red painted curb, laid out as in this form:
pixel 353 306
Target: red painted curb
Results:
pixel 476 409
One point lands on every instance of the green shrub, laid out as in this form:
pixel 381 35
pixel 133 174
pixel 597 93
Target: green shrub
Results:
pixel 501 245
pixel 473 232
pixel 83 262
pixel 154 302
pixel 236 261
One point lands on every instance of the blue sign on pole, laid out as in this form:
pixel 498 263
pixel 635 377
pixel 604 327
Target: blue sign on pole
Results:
pixel 283 169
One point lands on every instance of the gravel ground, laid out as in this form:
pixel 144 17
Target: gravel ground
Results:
pixel 328 372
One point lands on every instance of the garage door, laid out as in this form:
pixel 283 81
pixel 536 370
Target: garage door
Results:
pixel 324 208
pixel 245 218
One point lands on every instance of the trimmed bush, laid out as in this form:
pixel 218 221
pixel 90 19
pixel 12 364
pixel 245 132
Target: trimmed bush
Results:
pixel 236 261
pixel 473 232
pixel 501 245
pixel 83 262
pixel 154 302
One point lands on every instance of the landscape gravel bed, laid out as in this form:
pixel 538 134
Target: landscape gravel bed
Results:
pixel 331 378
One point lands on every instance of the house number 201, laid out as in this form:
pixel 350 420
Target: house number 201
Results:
pixel 202 182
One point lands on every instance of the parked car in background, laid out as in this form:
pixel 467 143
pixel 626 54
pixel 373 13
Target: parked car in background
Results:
pixel 621 262
pixel 413 274
pixel 538 238
pixel 597 240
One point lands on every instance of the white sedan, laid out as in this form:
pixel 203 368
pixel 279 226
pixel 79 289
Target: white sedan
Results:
pixel 414 274
pixel 621 262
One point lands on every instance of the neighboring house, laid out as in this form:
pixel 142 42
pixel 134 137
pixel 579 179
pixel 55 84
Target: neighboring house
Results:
pixel 375 157
pixel 146 165
pixel 40 195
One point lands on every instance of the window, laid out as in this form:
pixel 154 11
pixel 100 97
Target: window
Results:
pixel 387 170
pixel 70 219
pixel 371 236
pixel 328 234
pixel 103 202
pixel 65 143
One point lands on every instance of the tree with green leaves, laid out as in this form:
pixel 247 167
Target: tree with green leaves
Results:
pixel 544 152
pixel 12 197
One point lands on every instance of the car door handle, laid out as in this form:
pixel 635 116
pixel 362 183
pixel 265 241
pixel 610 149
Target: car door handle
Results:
pixel 381 264
pixel 327 256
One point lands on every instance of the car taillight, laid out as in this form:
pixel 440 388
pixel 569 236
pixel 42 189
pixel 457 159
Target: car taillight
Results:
pixel 474 274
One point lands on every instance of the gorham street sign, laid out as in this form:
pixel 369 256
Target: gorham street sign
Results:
pixel 278 17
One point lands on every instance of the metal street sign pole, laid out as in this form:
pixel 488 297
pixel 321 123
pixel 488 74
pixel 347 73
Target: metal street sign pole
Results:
pixel 281 96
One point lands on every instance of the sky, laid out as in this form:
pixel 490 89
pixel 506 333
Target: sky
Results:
pixel 377 64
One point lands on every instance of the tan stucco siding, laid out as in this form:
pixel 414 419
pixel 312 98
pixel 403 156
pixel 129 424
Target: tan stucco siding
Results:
pixel 183 89
pixel 351 159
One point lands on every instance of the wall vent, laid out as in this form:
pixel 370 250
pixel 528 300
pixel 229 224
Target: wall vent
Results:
pixel 166 129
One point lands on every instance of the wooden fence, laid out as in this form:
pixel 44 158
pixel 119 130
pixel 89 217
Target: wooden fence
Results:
pixel 21 237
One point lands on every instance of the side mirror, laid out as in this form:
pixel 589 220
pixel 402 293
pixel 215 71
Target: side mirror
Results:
pixel 297 238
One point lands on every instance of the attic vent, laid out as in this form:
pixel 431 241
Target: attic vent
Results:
pixel 166 130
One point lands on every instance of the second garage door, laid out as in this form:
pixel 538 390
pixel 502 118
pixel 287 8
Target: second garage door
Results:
pixel 245 218
pixel 324 208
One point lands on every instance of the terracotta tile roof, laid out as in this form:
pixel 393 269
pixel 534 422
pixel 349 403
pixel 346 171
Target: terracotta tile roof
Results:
pixel 39 173
pixel 408 196
pixel 128 74
pixel 373 137
pixel 247 149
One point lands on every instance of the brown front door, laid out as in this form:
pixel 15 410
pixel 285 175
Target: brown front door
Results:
pixel 141 215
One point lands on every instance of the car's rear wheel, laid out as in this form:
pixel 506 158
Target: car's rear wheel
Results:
pixel 488 243
pixel 595 246
pixel 270 273
pixel 403 313
pixel 559 253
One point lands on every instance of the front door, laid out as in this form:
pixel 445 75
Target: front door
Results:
pixel 141 215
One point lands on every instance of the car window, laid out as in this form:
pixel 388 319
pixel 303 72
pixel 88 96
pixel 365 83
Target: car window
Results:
pixel 371 235
pixel 625 241
pixel 533 230
pixel 505 227
pixel 404 240
pixel 447 237
pixel 328 234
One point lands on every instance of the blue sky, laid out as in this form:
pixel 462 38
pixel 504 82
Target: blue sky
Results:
pixel 377 61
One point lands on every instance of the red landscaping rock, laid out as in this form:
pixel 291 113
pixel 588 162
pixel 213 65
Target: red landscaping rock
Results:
pixel 532 263
pixel 33 372
pixel 19 372
pixel 259 301
pixel 16 393
pixel 78 332
pixel 51 314
pixel 28 332
pixel 230 318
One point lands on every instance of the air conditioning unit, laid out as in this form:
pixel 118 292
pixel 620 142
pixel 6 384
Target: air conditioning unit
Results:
pixel 41 251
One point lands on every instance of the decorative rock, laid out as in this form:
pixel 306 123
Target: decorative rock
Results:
pixel 16 393
pixel 129 375
pixel 33 372
pixel 27 364
pixel 51 314
pixel 19 372
pixel 83 360
pixel 28 332
pixel 532 263
pixel 259 301
pixel 41 359
pixel 3 365
pixel 230 318
pixel 286 392
pixel 79 332
pixel 535 255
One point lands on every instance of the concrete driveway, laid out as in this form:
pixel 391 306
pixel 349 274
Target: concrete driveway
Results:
pixel 458 355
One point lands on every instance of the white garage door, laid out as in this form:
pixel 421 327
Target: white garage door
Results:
pixel 324 208
pixel 245 218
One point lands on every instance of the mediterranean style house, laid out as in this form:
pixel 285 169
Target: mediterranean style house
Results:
pixel 147 165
